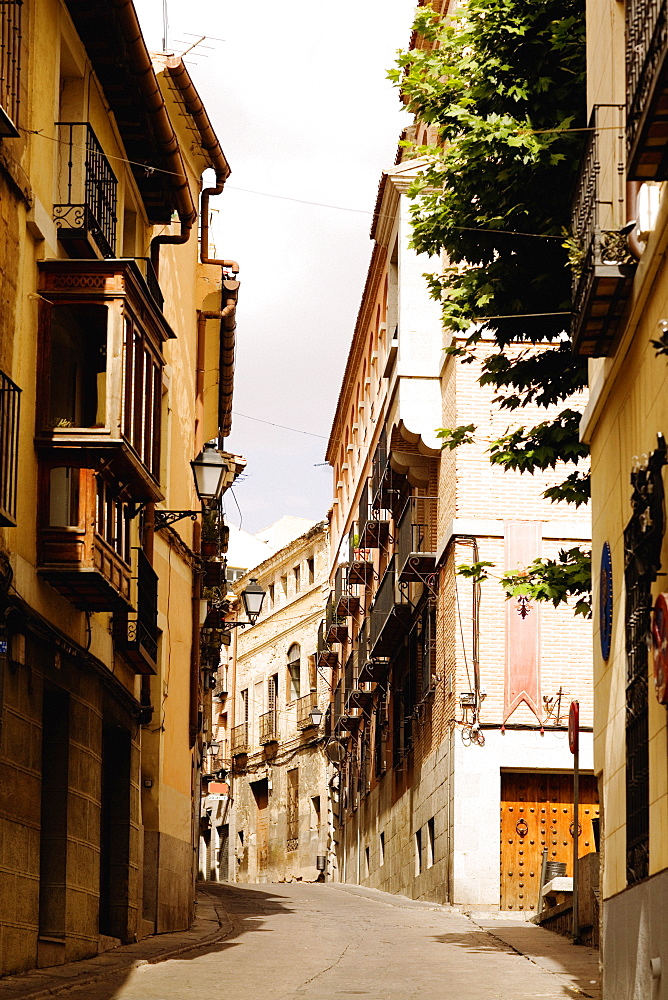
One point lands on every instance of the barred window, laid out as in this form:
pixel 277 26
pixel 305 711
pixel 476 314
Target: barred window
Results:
pixel 10 66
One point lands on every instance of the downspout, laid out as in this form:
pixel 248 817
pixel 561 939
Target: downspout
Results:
pixel 475 623
pixel 142 67
pixel 634 244
pixel 193 104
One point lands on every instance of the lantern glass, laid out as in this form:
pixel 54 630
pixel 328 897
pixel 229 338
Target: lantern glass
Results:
pixel 209 470
pixel 253 595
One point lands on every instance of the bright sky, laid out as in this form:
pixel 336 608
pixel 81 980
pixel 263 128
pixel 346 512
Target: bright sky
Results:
pixel 298 97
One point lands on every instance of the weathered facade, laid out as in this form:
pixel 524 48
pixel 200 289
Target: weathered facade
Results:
pixel 450 704
pixel 620 215
pixel 278 820
pixel 109 319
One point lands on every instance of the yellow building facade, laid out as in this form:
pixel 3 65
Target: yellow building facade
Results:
pixel 116 337
pixel 621 304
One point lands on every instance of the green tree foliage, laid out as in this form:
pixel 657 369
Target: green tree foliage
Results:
pixel 503 83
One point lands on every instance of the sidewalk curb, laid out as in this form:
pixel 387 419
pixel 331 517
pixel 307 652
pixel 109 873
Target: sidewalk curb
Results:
pixel 89 977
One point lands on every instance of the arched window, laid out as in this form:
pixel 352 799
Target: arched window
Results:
pixel 294 670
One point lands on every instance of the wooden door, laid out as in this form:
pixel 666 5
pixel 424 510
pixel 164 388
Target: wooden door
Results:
pixel 261 793
pixel 537 813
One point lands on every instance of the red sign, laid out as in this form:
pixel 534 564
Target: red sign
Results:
pixel 574 727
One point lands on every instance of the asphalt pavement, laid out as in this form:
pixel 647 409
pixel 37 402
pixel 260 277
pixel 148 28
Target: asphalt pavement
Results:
pixel 302 941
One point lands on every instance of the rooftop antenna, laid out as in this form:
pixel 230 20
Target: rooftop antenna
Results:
pixel 165 25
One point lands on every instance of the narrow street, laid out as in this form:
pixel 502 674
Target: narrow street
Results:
pixel 324 941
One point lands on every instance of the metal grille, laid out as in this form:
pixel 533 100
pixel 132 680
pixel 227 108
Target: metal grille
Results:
pixel 646 40
pixel 9 448
pixel 147 605
pixel 239 739
pixel 87 188
pixel 643 538
pixel 10 65
pixel 268 727
pixel 293 810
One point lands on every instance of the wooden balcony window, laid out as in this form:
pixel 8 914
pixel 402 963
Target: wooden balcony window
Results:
pixel 101 336
pixel 9 449
pixel 10 67
pixel 84 538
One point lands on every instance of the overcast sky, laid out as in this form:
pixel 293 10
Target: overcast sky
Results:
pixel 298 97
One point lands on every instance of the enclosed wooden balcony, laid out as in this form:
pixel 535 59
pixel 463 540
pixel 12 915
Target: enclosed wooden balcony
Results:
pixel 100 371
pixel 647 89
pixel 603 266
pixel 83 539
pixel 305 705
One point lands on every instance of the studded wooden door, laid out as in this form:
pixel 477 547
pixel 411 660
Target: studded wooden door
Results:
pixel 537 813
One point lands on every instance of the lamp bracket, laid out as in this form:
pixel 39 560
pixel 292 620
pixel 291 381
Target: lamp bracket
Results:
pixel 163 518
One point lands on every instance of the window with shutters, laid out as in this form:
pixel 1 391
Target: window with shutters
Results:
pixel 9 449
pixel 294 672
pixel 10 67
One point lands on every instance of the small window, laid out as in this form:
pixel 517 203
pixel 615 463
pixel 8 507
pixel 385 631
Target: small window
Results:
pixel 430 842
pixel 381 848
pixel 270 593
pixel 284 585
pixel 310 563
pixel 297 575
pixel 294 671
pixel 367 863
pixel 418 852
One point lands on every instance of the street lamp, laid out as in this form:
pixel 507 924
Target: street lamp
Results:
pixel 209 470
pixel 253 596
pixel 316 715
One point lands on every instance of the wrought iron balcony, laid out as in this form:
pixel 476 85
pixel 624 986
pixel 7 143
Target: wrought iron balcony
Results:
pixel 346 600
pixel 389 615
pixel 327 658
pixel 336 627
pixel 136 633
pixel 304 706
pixel 647 89
pixel 239 743
pixel 85 209
pixel 416 539
pixel 360 565
pixel 269 727
pixel 10 398
pixel 604 268
pixel 10 67
pixel 371 669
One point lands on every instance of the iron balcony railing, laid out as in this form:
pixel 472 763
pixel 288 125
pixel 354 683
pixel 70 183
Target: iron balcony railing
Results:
pixel 304 707
pixel 136 634
pixel 269 727
pixel 10 399
pixel 87 189
pixel 145 265
pixel 239 739
pixel 335 624
pixel 416 538
pixel 338 705
pixel 388 614
pixel 646 85
pixel 378 468
pixel 10 66
pixel 601 261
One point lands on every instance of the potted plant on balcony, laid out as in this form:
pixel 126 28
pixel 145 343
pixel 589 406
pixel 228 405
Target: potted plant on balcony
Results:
pixel 210 545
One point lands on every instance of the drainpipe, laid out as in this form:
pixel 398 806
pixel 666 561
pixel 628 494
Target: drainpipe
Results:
pixel 634 244
pixel 142 67
pixel 475 622
pixel 193 104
